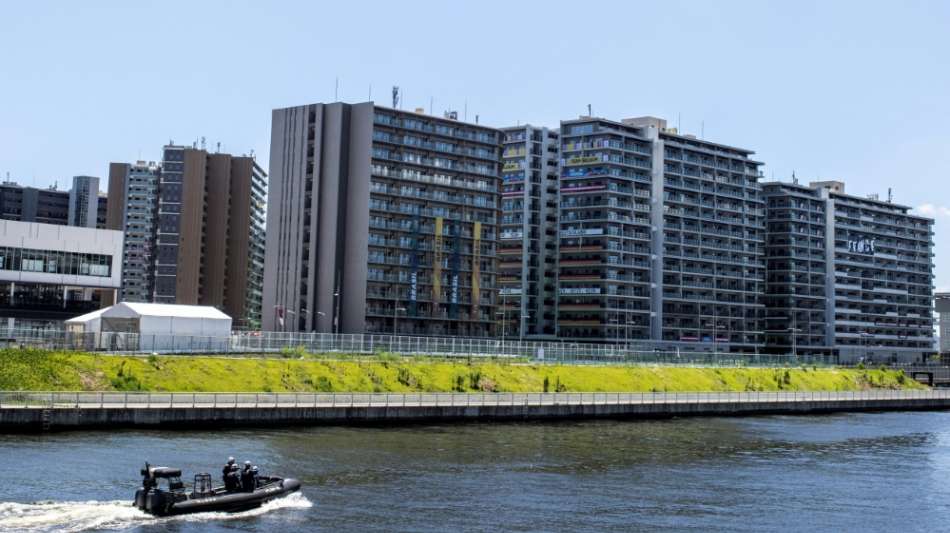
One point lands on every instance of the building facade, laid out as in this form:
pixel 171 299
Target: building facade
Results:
pixel 605 269
pixel 194 230
pixel 134 192
pixel 528 238
pixel 662 238
pixel 29 204
pixel 942 305
pixel 51 273
pixel 81 206
pixel 84 202
pixel 798 285
pixel 381 220
pixel 860 270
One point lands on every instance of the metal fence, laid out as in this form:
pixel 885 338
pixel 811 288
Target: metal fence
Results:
pixel 300 344
pixel 129 400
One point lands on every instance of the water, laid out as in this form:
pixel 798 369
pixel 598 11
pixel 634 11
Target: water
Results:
pixel 849 472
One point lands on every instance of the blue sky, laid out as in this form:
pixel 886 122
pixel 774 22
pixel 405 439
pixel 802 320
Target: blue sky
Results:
pixel 857 91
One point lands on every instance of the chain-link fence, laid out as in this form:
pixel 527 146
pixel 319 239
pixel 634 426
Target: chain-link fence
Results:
pixel 300 344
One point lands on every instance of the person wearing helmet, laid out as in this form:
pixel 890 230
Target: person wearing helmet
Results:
pixel 247 478
pixel 226 470
pixel 232 482
pixel 255 476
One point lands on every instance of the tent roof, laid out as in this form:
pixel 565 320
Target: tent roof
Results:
pixel 88 317
pixel 133 309
pixel 173 310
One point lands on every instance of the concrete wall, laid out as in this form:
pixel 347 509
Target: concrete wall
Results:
pixel 38 419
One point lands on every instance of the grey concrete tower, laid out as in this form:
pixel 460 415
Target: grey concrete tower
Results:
pixel 380 220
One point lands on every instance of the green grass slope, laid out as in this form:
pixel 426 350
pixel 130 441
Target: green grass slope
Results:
pixel 56 371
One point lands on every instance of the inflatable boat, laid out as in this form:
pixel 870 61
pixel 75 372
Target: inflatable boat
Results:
pixel 163 493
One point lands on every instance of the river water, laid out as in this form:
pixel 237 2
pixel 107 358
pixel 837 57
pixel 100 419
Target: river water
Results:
pixel 848 472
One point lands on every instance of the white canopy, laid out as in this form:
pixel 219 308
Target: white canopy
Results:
pixel 156 320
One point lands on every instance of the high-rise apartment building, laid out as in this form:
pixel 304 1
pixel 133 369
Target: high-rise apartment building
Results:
pixel 84 202
pixel 713 242
pixel 195 230
pixel 855 273
pixel 604 271
pixel 798 284
pixel 209 246
pixel 528 239
pixel 661 237
pixel 381 220
pixel 134 192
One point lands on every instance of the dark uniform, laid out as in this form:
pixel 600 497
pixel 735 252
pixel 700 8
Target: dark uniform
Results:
pixel 247 479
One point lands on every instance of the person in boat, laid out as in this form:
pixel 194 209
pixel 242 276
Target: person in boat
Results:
pixel 255 477
pixel 247 478
pixel 232 481
pixel 227 470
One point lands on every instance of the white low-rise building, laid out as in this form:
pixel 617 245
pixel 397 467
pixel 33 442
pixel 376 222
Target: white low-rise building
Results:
pixel 49 273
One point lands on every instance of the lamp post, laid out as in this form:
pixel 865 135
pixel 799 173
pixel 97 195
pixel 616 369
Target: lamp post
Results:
pixel 336 315
pixel 793 331
pixel 395 317
pixel 502 315
pixel 866 335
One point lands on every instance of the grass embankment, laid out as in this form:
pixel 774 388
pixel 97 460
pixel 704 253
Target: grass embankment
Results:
pixel 52 371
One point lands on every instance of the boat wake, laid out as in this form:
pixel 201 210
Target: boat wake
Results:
pixel 84 516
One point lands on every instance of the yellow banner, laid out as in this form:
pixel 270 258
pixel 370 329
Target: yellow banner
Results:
pixel 583 160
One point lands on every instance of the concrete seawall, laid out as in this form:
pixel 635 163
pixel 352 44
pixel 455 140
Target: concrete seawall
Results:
pixel 105 415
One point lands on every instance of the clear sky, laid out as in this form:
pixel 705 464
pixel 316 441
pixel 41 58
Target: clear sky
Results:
pixel 857 91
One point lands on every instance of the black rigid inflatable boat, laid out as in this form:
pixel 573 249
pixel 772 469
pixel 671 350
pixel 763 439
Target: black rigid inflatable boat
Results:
pixel 163 493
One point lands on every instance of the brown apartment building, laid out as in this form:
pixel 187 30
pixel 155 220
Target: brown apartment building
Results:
pixel 206 238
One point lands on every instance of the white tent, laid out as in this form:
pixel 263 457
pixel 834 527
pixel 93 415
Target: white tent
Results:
pixel 158 327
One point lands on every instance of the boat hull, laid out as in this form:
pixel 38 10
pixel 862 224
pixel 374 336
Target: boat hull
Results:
pixel 156 503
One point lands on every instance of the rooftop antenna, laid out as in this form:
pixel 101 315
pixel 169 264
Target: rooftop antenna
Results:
pixel 589 112
pixel 218 149
pixel 890 195
pixel 431 103
pixel 702 129
pixel 370 93
pixel 794 179
pixel 395 97
pixel 202 142
pixel 476 119
pixel 336 90
pixel 252 154
pixel 465 113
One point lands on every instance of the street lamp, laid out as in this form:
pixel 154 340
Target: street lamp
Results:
pixel 336 316
pixel 793 331
pixel 866 335
pixel 321 313
pixel 524 317
pixel 395 317
pixel 502 315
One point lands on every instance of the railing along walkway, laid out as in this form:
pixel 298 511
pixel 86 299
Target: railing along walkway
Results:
pixel 187 400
